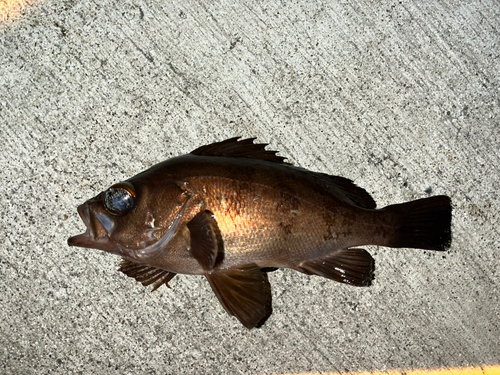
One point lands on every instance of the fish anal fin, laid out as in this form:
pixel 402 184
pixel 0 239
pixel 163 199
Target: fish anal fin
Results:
pixel 206 240
pixel 244 292
pixel 349 266
pixel 235 148
pixel 146 275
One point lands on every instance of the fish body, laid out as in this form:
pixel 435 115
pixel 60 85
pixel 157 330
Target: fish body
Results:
pixel 233 211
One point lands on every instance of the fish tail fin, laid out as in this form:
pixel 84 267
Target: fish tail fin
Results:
pixel 422 224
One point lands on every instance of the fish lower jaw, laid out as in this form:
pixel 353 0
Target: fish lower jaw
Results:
pixel 88 240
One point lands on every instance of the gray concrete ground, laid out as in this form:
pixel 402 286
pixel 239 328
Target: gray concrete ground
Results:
pixel 401 97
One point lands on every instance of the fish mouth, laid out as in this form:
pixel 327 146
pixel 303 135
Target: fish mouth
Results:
pixel 88 239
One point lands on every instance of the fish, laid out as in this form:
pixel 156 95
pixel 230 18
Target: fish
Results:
pixel 233 211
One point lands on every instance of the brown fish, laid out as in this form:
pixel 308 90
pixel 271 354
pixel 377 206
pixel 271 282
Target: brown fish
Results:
pixel 232 211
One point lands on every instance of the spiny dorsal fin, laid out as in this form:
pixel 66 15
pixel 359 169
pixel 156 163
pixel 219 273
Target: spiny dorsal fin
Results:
pixel 239 149
pixel 146 275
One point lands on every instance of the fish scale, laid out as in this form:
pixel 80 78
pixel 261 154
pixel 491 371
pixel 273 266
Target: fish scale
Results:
pixel 264 226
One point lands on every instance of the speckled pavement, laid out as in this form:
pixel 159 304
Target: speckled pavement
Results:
pixel 401 97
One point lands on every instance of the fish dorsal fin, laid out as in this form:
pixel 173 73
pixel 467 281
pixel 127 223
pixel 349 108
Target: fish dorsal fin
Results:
pixel 348 190
pixel 349 266
pixel 239 149
pixel 244 292
pixel 146 275
pixel 206 240
pixel 245 148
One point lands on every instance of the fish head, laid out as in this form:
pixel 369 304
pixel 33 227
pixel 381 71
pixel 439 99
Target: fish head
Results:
pixel 130 218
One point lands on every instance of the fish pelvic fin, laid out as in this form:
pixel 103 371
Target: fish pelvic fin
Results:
pixel 244 292
pixel 349 266
pixel 421 224
pixel 146 275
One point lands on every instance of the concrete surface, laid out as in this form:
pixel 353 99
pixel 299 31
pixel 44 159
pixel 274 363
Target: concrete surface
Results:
pixel 401 97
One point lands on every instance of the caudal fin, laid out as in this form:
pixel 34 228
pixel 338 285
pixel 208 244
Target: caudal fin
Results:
pixel 422 224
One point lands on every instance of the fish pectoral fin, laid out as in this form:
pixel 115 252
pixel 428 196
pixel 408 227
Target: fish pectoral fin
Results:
pixel 244 292
pixel 146 275
pixel 206 240
pixel 349 266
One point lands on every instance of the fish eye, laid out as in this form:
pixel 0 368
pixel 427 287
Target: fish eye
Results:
pixel 119 198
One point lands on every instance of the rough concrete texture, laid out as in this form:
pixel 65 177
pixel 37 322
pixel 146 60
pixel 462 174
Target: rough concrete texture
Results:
pixel 402 97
